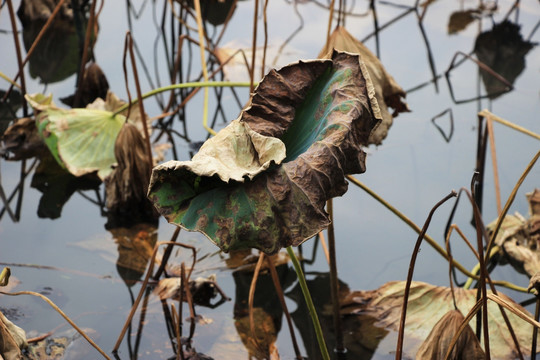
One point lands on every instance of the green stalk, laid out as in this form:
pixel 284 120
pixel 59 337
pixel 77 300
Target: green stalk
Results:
pixel 183 86
pixel 309 303
pixel 494 250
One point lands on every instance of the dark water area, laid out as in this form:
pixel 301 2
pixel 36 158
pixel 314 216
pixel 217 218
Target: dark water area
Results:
pixel 67 253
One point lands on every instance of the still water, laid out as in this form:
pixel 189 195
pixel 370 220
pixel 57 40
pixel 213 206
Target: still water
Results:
pixel 77 263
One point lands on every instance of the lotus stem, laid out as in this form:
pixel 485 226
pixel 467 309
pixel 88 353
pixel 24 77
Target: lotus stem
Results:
pixel 197 84
pixel 488 115
pixel 510 201
pixel 491 135
pixel 476 268
pixel 254 46
pixel 334 281
pixel 279 291
pixel 535 329
pixel 202 48
pixel 309 302
pixel 399 347
pixel 129 45
pixel 13 83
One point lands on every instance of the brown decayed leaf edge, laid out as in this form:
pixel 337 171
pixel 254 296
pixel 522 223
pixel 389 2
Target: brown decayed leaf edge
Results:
pixel 387 90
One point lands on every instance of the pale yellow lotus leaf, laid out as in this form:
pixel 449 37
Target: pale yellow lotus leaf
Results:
pixel 112 103
pixel 429 303
pixel 235 153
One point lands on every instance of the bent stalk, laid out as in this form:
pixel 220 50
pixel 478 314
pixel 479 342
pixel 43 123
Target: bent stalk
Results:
pixel 182 86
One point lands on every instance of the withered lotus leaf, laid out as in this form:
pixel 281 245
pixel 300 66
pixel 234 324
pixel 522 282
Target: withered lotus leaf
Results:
pixel 518 238
pixel 437 344
pixel 262 182
pixel 21 140
pixel 387 90
pixel 13 339
pixel 428 304
pixel 459 20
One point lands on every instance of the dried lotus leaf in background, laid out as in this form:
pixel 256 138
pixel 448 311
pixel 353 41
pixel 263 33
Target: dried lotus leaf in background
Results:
pixel 387 90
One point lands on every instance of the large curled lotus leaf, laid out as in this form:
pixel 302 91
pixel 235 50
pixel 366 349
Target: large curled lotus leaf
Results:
pixel 428 304
pixel 387 90
pixel 81 140
pixel 321 112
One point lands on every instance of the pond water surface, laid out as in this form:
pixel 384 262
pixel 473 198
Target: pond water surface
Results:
pixel 80 265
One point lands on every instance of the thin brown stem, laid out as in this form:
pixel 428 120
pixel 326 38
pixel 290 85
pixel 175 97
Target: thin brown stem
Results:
pixel 491 136
pixel 281 297
pixel 181 309
pixel 6 204
pixel 32 47
pixel 254 46
pixel 265 24
pixel 325 247
pixel 484 276
pixel 487 114
pixel 139 97
pixel 58 310
pixel 84 57
pixel 189 299
pixel 535 329
pixel 330 18
pixel 399 347
pixel 18 206
pixel 251 298
pixel 482 288
pixel 510 201
pixel 20 62
pixel 229 16
pixel 334 281
pixel 167 254
pixel 176 325
pixel 149 272
pixel 39 338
